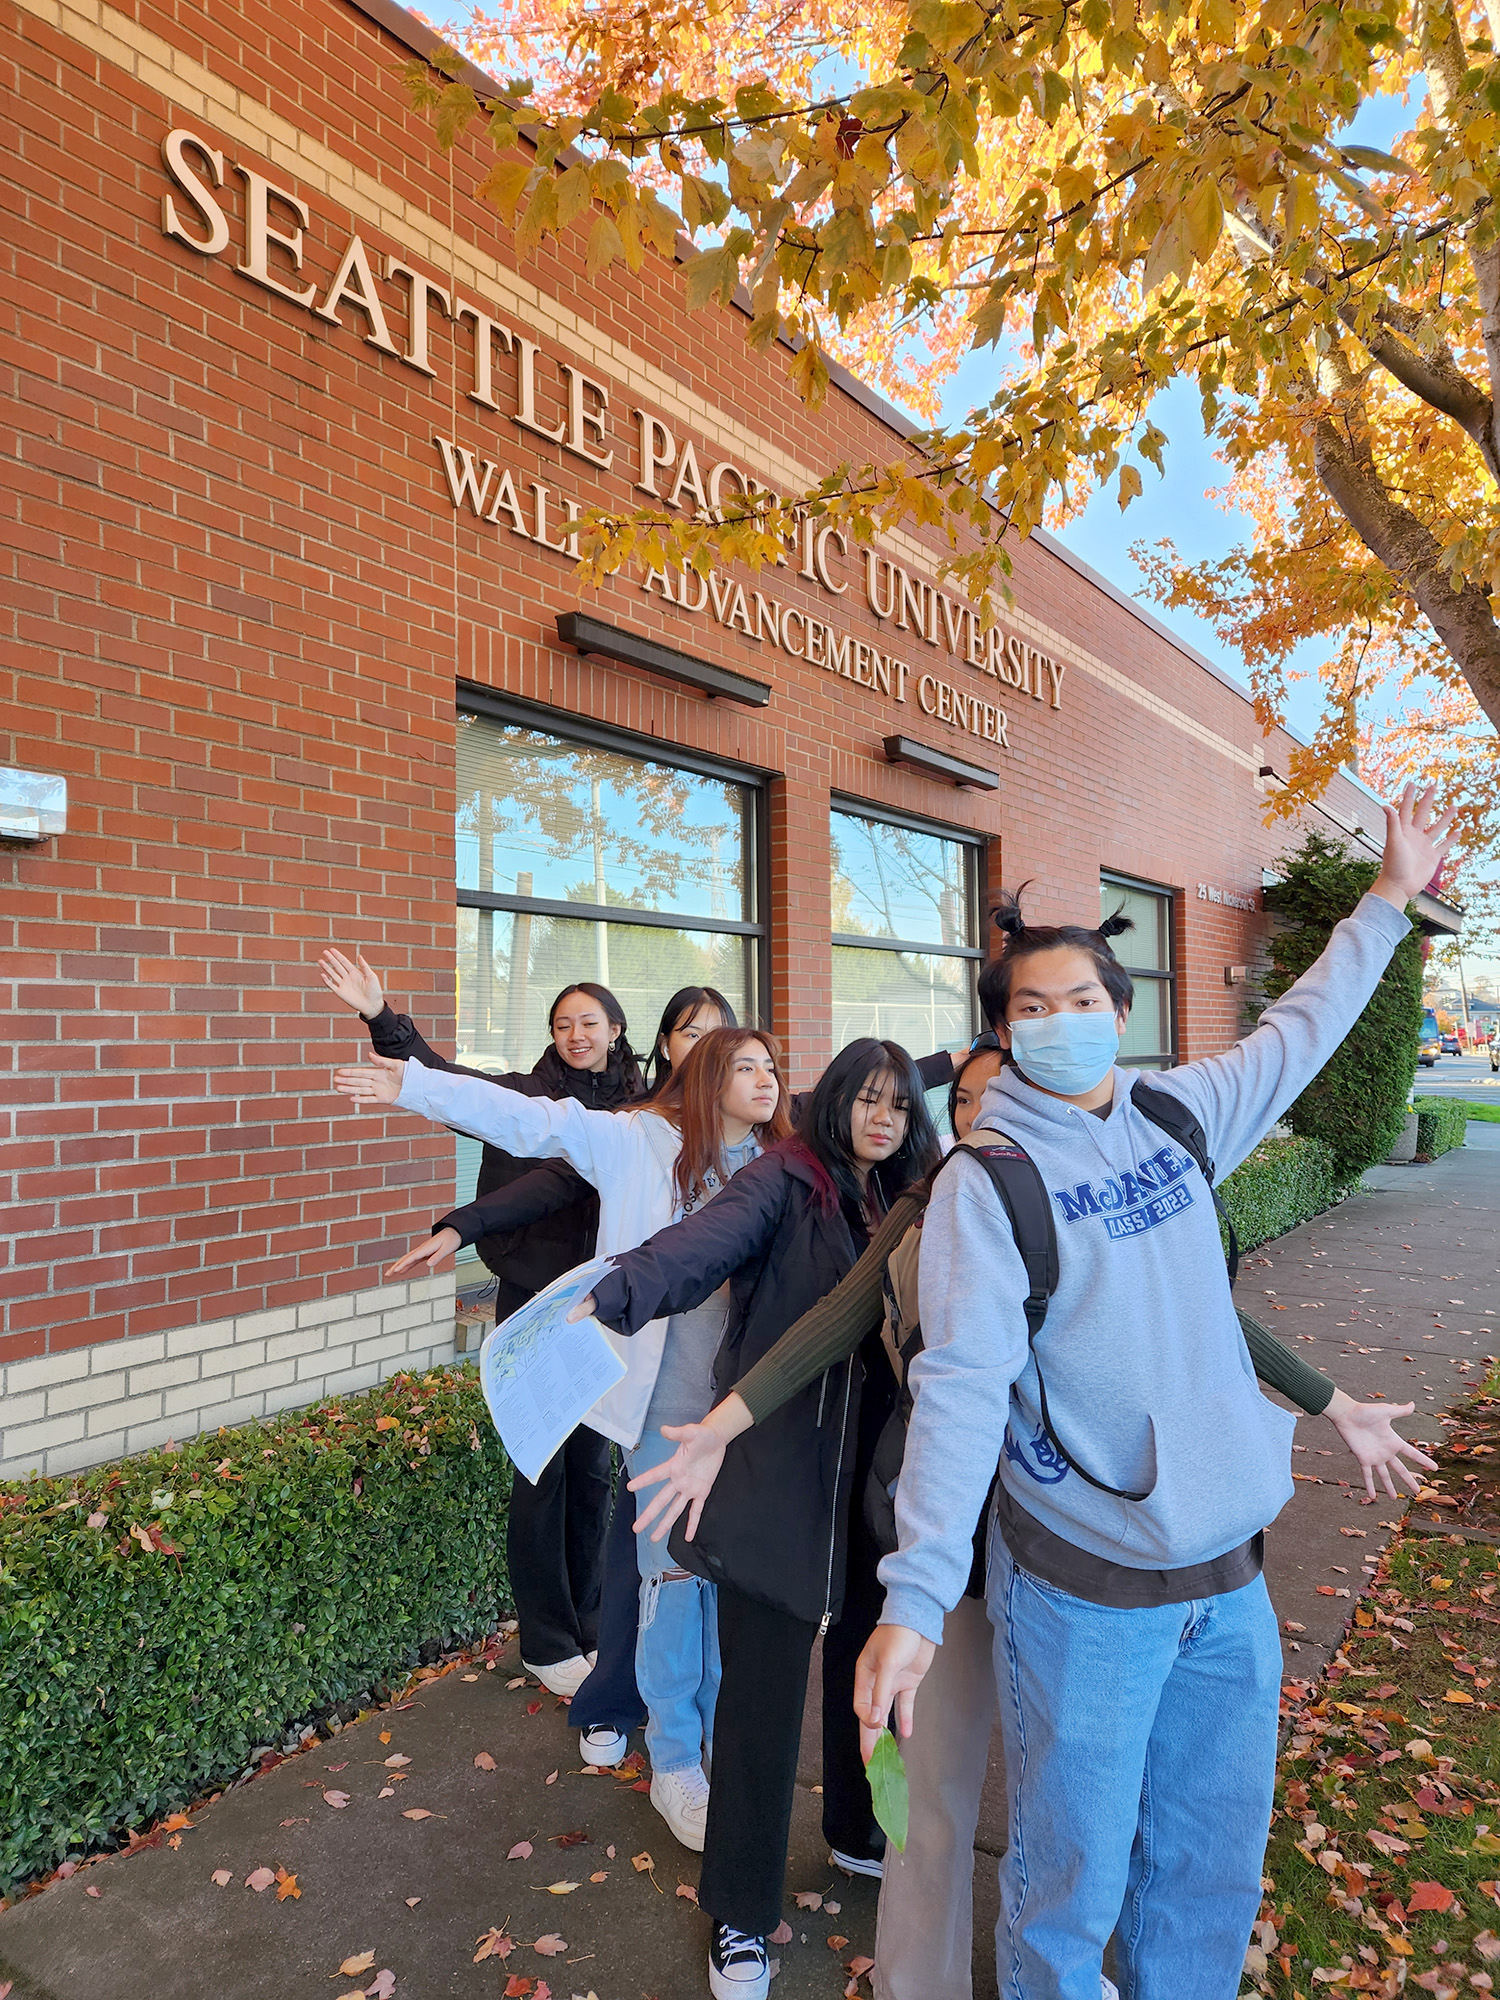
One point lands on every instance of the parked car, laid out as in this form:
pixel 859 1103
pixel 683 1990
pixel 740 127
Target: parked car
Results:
pixel 1450 1046
pixel 1428 1052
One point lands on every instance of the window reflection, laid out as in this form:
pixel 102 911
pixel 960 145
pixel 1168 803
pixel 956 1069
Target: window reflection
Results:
pixel 895 882
pixel 922 1001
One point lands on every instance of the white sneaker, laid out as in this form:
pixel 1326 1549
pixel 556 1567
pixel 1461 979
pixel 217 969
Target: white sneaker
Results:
pixel 603 1746
pixel 857 1864
pixel 681 1797
pixel 738 1968
pixel 563 1677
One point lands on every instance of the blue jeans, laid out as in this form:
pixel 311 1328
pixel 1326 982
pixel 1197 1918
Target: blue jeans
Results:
pixel 1140 1752
pixel 677 1644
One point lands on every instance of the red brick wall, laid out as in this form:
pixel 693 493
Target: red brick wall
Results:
pixel 236 602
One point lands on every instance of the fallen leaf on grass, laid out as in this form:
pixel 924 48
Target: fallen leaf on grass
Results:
pixel 387 1423
pixel 688 1893
pixel 1486 1944
pixel 96 1520
pixel 420 1812
pixel 1387 1843
pixel 223 1876
pixel 286 1885
pixel 483 1761
pixel 520 1852
pixel 1429 1896
pixel 551 1946
pixel 494 1944
pixel 262 1878
pixel 809 1899
pixel 338 1800
pixel 782 1933
pixel 1486 1843
pixel 360 1962
pixel 1457 1694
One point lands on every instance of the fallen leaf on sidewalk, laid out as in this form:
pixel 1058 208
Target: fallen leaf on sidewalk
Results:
pixel 601 1876
pixel 396 1759
pixel 95 1893
pixel 338 1800
pixel 360 1962
pixel 303 1821
pixel 286 1885
pixel 494 1944
pixel 223 1876
pixel 175 1820
pixel 385 1736
pixel 688 1893
pixel 561 1888
pixel 483 1761
pixel 832 1909
pixel 412 1902
pixel 642 1863
pixel 420 1812
pixel 382 1986
pixel 533 1708
pixel 809 1899
pixel 609 1852
pixel 262 1878
pixel 386 1792
pixel 518 1682
pixel 518 1986
pixel 859 1966
pixel 782 1933
pixel 551 1946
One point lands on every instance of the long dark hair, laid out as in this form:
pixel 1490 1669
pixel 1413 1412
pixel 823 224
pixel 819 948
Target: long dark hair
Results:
pixel 621 1054
pixel 689 1099
pixel 678 1011
pixel 987 1044
pixel 1022 940
pixel 825 1121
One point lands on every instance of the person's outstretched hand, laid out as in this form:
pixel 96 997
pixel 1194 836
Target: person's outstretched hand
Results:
pixel 374 1083
pixel 426 1257
pixel 1417 839
pixel 687 1477
pixel 1369 1431
pixel 890 1670
pixel 357 985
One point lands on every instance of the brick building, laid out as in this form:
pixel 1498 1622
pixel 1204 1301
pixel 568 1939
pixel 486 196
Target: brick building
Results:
pixel 291 445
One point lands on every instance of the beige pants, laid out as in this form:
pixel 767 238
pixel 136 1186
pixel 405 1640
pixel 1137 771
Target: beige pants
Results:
pixel 924 1938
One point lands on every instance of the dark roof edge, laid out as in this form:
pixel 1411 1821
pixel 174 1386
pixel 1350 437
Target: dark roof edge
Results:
pixel 420 37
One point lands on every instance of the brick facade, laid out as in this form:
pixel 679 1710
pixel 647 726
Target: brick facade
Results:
pixel 239 596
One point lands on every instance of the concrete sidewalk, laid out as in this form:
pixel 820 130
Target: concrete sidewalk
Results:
pixel 1394 1293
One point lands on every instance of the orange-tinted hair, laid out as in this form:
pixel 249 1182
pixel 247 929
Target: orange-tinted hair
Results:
pixel 690 1101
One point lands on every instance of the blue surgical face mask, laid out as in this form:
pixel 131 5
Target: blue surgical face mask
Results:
pixel 1066 1053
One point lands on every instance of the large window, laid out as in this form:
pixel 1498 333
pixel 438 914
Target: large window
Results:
pixel 905 932
pixel 578 860
pixel 1150 1040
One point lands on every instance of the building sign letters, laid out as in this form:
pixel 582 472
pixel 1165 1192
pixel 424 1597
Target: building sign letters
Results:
pixel 916 618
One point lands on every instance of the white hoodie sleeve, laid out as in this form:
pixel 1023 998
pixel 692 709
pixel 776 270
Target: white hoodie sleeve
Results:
pixel 601 1145
pixel 1239 1095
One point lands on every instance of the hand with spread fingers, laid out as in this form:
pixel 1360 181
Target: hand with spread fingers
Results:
pixel 1417 839
pixel 1369 1431
pixel 354 982
pixel 376 1083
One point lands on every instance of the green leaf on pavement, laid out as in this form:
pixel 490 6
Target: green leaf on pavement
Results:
pixel 887 1775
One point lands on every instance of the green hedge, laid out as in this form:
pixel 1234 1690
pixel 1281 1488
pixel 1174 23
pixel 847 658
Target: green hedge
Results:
pixel 1282 1183
pixel 249 1581
pixel 1442 1123
pixel 1357 1101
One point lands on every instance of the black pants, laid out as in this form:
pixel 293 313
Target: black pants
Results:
pixel 555 1549
pixel 757 1734
pixel 609 1698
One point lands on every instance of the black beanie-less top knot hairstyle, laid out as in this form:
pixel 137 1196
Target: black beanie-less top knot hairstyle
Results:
pixel 1023 940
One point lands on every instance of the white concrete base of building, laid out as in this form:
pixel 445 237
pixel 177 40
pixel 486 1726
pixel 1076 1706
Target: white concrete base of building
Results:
pixel 65 1412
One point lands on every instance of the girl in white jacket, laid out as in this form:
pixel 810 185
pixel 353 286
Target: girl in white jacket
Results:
pixel 651 1164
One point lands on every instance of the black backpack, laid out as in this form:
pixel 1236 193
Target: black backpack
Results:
pixel 1023 1195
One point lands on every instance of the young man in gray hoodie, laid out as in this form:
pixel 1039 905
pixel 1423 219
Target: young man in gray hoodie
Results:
pixel 1136 1652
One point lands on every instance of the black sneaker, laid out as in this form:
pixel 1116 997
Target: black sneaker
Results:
pixel 738 1968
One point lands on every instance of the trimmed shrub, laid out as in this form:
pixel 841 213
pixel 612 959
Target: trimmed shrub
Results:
pixel 1357 1102
pixel 1282 1183
pixel 162 1618
pixel 1442 1123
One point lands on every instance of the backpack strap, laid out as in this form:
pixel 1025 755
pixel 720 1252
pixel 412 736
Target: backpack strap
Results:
pixel 1023 1195
pixel 1174 1117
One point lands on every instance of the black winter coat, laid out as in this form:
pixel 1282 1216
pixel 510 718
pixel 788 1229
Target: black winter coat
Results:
pixel 776 1524
pixel 548 1225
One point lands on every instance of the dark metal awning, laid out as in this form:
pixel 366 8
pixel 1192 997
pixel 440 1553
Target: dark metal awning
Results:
pixel 634 649
pixel 940 764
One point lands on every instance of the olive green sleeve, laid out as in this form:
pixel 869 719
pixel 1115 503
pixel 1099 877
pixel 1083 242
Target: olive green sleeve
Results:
pixel 832 1329
pixel 1277 1366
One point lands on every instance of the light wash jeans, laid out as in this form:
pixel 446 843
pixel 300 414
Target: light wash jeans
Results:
pixel 1140 1751
pixel 677 1643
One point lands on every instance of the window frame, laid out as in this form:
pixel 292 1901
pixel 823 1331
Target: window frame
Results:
pixel 510 710
pixel 976 848
pixel 1169 1057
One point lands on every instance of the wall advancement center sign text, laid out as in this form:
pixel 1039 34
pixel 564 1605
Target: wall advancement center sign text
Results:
pixel 642 451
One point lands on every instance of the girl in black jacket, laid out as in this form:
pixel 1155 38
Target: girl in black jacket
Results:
pixel 540 1221
pixel 779 1532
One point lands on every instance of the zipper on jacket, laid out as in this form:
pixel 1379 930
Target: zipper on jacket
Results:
pixel 822 1398
pixel 838 1473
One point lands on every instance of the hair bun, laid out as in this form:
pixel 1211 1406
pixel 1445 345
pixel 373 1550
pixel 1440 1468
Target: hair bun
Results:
pixel 1115 925
pixel 1006 913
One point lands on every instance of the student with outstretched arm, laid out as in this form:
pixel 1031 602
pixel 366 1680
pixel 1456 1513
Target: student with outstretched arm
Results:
pixel 1137 1656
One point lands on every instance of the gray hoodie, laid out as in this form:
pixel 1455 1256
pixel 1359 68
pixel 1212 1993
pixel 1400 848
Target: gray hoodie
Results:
pixel 1148 1379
